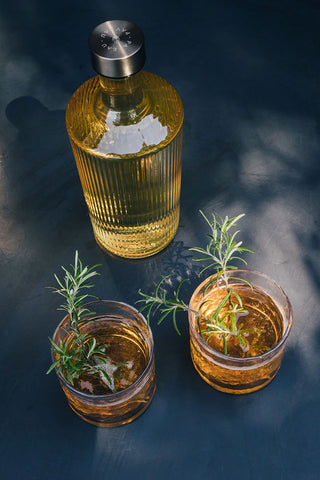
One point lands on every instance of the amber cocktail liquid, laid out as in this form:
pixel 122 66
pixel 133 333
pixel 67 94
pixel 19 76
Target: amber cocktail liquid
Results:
pixel 267 322
pixel 262 322
pixel 124 347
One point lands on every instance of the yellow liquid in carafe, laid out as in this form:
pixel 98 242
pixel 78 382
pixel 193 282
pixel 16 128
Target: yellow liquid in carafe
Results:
pixel 129 161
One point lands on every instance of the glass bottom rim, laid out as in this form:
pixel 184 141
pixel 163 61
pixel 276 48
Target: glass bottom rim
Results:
pixel 119 422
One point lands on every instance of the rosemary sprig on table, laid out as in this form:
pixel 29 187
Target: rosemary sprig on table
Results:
pixel 79 352
pixel 220 251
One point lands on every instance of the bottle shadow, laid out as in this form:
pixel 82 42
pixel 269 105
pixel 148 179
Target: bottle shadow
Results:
pixel 130 276
pixel 173 262
pixel 43 185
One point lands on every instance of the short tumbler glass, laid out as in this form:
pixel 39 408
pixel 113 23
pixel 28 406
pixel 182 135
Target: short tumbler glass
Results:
pixel 114 409
pixel 234 374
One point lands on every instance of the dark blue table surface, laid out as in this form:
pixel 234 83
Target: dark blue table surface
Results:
pixel 249 76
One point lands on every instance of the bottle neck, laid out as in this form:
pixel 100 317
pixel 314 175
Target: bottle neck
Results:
pixel 122 93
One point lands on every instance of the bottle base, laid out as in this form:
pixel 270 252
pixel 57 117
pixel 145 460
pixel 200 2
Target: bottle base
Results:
pixel 137 242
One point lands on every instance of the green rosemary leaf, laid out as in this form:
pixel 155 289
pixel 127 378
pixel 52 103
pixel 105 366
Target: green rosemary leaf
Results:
pixel 237 296
pixel 242 280
pixel 164 316
pixel 76 260
pixel 175 322
pixel 92 346
pixel 206 268
pixel 225 348
pixel 179 286
pixel 243 249
pixel 59 282
pixel 237 258
pixel 199 326
pixel 220 306
pixel 104 373
pixel 55 346
pixel 160 283
pixel 53 366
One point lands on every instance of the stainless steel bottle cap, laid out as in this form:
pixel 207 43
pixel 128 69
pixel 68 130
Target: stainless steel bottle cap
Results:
pixel 117 49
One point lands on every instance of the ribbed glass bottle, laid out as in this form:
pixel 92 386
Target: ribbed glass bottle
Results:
pixel 126 136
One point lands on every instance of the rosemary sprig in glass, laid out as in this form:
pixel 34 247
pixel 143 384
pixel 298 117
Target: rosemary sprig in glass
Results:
pixel 222 249
pixel 79 352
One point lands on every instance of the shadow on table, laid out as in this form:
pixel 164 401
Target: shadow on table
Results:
pixel 44 191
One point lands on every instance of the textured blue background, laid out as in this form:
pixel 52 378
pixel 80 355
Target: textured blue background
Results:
pixel 249 76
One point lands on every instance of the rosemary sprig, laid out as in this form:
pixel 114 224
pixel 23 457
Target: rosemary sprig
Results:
pixel 79 352
pixel 222 247
pixel 160 301
pixel 220 251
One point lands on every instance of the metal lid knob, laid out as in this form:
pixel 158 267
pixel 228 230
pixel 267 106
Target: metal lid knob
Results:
pixel 117 49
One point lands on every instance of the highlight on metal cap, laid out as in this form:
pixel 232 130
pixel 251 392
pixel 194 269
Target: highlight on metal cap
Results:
pixel 117 49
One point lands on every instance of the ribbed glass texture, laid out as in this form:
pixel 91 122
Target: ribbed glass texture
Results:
pixel 126 136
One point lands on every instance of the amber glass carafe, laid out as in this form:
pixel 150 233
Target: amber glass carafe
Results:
pixel 126 135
